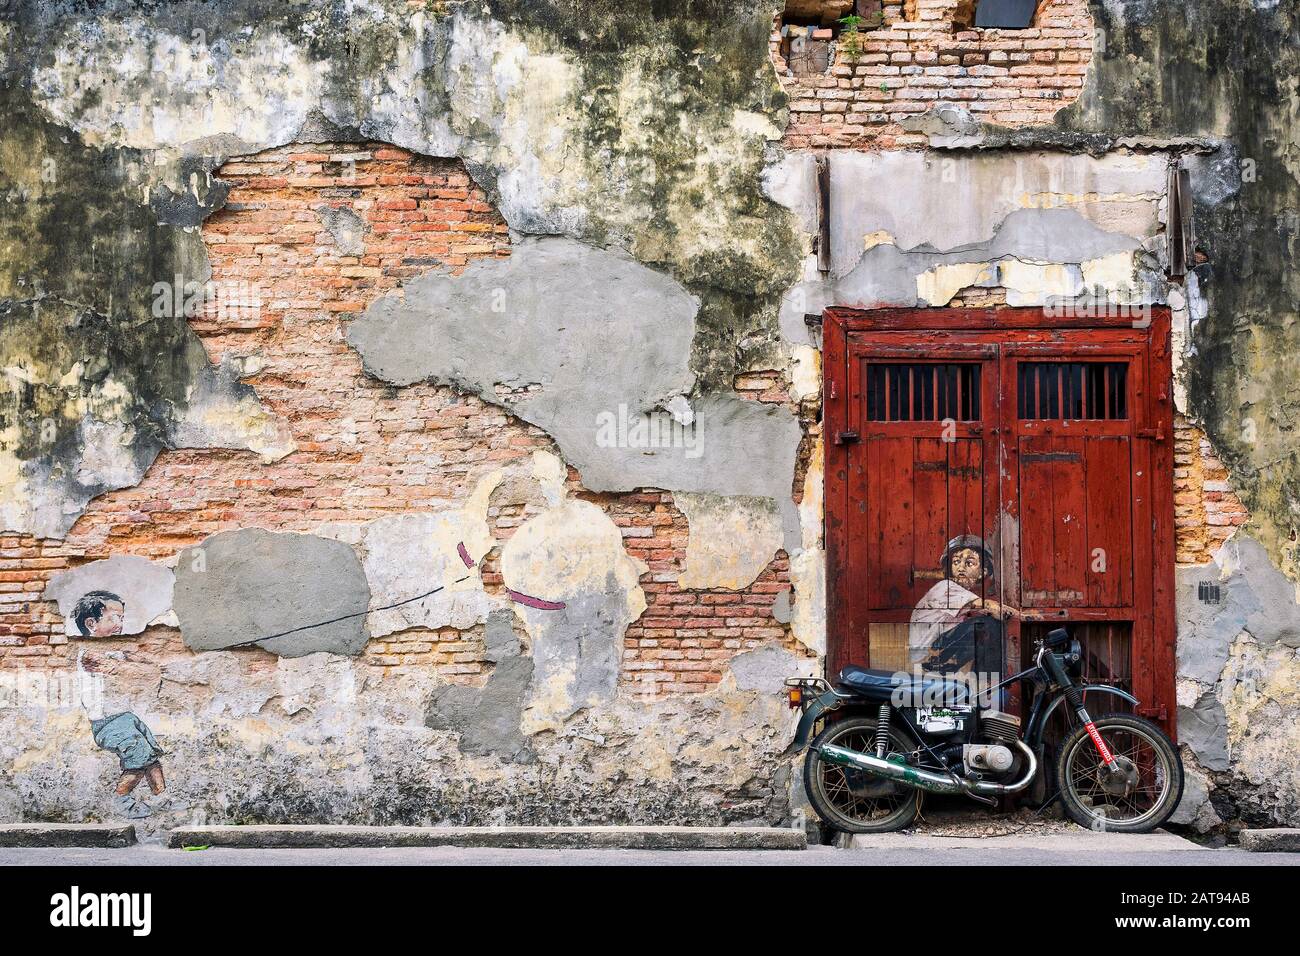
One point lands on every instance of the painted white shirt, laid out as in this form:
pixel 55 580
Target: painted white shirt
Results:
pixel 939 610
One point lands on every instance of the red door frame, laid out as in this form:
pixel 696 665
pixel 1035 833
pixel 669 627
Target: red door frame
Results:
pixel 910 330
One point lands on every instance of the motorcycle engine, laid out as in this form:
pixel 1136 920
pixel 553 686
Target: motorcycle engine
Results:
pixel 993 757
pixel 1004 728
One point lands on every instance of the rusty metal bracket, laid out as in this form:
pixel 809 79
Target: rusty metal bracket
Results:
pixel 1181 231
pixel 823 164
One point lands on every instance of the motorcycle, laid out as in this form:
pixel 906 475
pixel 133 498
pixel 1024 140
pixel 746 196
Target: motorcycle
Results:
pixel 889 738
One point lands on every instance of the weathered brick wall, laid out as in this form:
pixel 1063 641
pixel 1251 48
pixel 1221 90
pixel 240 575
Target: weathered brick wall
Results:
pixel 684 638
pixel 366 449
pixel 920 58
pixel 1206 509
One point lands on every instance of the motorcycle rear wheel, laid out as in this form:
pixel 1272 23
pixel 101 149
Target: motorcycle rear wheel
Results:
pixel 854 801
pixel 1096 800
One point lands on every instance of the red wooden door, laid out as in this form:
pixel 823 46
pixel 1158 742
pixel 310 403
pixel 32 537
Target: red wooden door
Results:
pixel 1051 446
pixel 922 471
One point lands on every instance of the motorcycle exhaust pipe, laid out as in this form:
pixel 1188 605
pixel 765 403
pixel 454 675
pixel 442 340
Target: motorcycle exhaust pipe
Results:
pixel 928 779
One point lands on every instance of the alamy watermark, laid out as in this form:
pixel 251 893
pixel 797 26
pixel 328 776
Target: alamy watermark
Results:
pixel 1124 304
pixel 224 300
pixel 651 430
pixel 51 690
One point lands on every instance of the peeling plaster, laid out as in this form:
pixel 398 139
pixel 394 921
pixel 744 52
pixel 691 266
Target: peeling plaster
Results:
pixel 731 540
pixel 144 587
pixel 537 334
pixel 83 420
pixel 1238 670
pixel 409 554
pixel 808 617
pixel 531 99
pixel 1037 224
pixel 572 553
pixel 765 669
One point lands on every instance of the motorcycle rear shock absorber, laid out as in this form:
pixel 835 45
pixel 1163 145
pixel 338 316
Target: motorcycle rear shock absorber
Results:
pixel 882 731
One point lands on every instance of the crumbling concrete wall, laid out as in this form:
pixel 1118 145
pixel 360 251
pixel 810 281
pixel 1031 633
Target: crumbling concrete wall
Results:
pixel 454 293
pixel 397 490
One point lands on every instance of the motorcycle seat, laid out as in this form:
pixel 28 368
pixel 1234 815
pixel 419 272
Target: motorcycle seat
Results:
pixel 876 684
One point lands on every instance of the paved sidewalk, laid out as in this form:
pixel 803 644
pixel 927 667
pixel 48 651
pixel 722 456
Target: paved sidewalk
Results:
pixel 1070 840
pixel 999 852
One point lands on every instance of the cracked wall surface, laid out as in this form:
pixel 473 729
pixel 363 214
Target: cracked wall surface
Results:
pixel 454 294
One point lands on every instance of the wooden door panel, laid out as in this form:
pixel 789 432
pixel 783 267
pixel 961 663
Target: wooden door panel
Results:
pixel 1071 492
pixel 889 476
pixel 1038 520
pixel 967 491
pixel 930 491
pixel 1108 473
pixel 921 493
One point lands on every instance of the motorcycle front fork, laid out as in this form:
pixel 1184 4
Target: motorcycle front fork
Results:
pixel 1103 751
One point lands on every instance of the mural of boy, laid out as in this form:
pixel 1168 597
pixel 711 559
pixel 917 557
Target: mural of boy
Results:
pixel 99 614
pixel 953 628
pixel 120 731
pixel 137 751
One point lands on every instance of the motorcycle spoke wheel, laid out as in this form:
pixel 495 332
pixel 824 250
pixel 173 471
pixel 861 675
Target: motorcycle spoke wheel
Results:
pixel 1141 796
pixel 852 800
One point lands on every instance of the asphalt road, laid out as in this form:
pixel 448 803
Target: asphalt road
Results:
pixel 980 852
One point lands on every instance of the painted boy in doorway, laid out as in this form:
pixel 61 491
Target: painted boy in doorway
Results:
pixel 953 628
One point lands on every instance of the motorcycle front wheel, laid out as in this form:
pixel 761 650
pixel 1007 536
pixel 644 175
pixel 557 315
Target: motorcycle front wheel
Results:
pixel 1136 797
pixel 854 801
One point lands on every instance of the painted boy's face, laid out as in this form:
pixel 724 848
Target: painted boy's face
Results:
pixel 967 568
pixel 109 621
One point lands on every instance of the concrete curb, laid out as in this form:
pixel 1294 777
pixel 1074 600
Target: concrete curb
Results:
pixel 1271 840
pixel 1072 840
pixel 514 838
pixel 99 835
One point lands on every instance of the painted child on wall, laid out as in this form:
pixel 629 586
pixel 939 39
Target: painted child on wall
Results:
pixel 953 628
pixel 137 751
pixel 99 614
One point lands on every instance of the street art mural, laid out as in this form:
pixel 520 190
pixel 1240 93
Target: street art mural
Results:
pixel 138 752
pixel 954 627
pixel 99 614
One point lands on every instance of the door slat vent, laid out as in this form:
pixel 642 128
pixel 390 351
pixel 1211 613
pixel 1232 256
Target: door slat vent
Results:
pixel 930 392
pixel 1080 391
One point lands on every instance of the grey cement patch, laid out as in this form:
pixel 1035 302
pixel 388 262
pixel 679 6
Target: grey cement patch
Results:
pixel 765 669
pixel 781 607
pixel 144 587
pixel 549 317
pixel 1194 809
pixel 590 346
pixel 577 651
pixel 487 719
pixel 348 229
pixel 1203 728
pixel 237 587
pixel 1253 597
pixel 499 639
